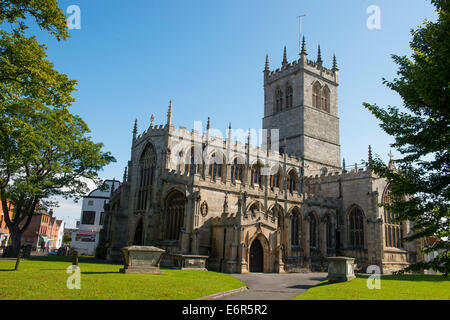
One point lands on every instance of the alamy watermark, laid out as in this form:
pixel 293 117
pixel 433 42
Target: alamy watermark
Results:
pixel 189 148
pixel 74 17
pixel 374 281
pixel 374 20
pixel 74 280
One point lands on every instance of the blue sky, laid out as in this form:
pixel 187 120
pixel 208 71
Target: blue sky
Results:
pixel 131 57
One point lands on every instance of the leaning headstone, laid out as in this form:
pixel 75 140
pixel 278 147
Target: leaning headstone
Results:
pixel 142 259
pixel 341 269
pixel 75 256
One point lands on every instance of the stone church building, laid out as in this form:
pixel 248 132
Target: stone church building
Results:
pixel 259 209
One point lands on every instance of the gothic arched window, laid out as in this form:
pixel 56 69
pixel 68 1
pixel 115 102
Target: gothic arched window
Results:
pixel 215 167
pixel 192 162
pixel 313 243
pixel 392 228
pixel 275 179
pixel 175 204
pixel 316 95
pixel 292 181
pixel 146 169
pixel 256 175
pixel 295 227
pixel 326 99
pixel 356 228
pixel 329 232
pixel 289 94
pixel 278 100
pixel 237 169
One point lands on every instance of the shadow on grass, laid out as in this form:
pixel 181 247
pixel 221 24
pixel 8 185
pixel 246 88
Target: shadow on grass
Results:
pixel 106 272
pixel 82 259
pixel 416 277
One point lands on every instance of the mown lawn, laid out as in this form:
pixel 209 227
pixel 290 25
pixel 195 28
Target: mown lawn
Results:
pixel 398 287
pixel 45 278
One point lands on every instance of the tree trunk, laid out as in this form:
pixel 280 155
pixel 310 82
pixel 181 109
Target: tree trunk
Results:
pixel 16 236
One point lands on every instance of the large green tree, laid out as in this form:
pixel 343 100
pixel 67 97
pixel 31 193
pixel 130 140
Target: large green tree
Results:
pixel 45 150
pixel 420 182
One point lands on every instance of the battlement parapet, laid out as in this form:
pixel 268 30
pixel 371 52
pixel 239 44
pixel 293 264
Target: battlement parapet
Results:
pixel 296 66
pixel 343 174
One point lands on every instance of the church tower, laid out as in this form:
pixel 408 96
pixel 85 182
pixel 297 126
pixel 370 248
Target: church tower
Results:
pixel 300 100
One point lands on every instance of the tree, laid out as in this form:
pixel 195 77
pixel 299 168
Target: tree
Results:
pixel 46 13
pixel 45 150
pixel 67 238
pixel 420 182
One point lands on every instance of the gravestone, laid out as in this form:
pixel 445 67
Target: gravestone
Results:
pixel 142 259
pixel 185 261
pixel 75 256
pixel 341 269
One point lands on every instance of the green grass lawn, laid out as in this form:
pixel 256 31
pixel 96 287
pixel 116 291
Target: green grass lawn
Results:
pixel 46 277
pixel 399 287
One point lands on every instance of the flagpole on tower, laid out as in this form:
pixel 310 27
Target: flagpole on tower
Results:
pixel 300 30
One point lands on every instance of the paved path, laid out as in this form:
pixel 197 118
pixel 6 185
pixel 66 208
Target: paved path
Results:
pixel 275 286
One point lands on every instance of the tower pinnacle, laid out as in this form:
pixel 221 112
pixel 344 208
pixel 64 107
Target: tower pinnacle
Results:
pixel 169 114
pixel 152 118
pixel 303 52
pixel 319 57
pixel 335 67
pixel 266 67
pixel 135 130
pixel 285 62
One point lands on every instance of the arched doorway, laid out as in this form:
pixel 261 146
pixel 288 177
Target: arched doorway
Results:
pixel 256 256
pixel 138 234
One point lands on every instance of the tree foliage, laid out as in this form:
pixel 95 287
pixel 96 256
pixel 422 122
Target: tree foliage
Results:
pixel 420 182
pixel 46 13
pixel 45 150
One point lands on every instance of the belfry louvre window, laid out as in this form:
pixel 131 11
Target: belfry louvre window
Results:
pixel 146 171
pixel 316 95
pixel 326 99
pixel 278 100
pixel 175 204
pixel 289 94
pixel 356 228
pixel 392 229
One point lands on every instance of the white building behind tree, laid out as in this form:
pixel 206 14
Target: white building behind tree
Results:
pixel 85 238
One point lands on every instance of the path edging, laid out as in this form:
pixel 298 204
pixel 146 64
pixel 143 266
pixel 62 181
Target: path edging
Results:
pixel 223 294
